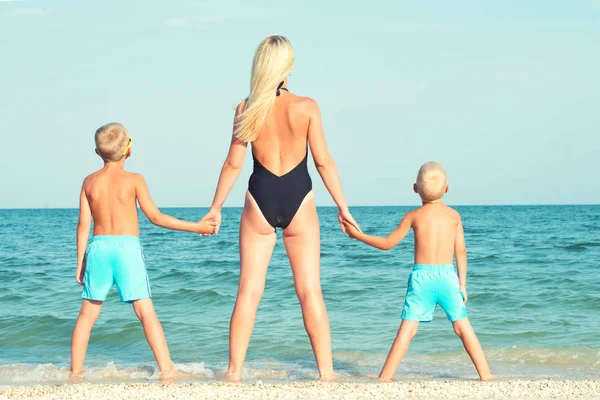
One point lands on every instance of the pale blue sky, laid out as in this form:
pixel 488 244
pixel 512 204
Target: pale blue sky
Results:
pixel 504 94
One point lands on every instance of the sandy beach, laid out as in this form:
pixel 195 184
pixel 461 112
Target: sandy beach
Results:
pixel 514 389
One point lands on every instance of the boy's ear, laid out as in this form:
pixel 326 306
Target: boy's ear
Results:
pixel 415 188
pixel 96 150
pixel 447 188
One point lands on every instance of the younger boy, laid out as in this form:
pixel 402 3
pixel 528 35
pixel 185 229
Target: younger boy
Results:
pixel 114 256
pixel 439 236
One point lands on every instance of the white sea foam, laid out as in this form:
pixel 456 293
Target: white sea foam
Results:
pixel 111 372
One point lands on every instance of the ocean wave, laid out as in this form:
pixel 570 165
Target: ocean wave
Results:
pixel 580 246
pixel 584 358
pixel 515 361
pixel 111 372
pixel 192 294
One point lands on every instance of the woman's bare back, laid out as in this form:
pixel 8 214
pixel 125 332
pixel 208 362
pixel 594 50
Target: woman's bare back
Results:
pixel 282 142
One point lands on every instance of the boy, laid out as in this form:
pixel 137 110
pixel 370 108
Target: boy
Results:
pixel 438 236
pixel 114 256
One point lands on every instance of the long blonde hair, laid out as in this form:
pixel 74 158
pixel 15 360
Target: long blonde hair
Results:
pixel 273 62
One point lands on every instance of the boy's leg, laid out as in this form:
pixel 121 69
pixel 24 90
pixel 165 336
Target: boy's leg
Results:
pixel 90 310
pixel 144 309
pixel 465 332
pixel 408 330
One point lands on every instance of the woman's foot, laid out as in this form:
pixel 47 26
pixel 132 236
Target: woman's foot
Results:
pixel 330 377
pixel 173 374
pixel 76 377
pixel 384 380
pixel 488 378
pixel 233 377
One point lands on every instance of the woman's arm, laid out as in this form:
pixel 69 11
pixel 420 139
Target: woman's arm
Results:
pixel 229 173
pixel 326 166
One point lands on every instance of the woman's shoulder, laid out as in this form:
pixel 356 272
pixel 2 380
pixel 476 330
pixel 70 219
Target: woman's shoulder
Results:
pixel 305 105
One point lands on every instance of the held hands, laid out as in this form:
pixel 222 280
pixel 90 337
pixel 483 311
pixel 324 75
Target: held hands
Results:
pixel 351 230
pixel 344 218
pixel 213 219
pixel 206 227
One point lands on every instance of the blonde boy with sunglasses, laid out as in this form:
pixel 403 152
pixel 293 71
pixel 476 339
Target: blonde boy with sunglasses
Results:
pixel 109 197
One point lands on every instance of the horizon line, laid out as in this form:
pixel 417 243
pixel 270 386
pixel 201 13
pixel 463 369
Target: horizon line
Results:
pixel 358 206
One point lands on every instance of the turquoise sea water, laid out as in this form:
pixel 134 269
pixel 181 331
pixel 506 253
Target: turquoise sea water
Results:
pixel 534 299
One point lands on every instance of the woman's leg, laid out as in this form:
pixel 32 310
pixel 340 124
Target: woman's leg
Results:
pixel 257 239
pixel 303 245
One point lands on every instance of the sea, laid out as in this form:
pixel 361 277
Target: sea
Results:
pixel 533 286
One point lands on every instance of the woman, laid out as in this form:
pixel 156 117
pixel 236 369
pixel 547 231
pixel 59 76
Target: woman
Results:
pixel 281 127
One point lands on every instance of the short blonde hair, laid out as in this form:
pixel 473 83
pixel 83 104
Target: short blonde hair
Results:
pixel 111 141
pixel 431 181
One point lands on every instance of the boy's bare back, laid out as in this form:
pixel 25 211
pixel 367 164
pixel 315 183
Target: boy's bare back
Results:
pixel 436 229
pixel 111 194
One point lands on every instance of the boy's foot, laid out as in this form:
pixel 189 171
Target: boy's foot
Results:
pixel 329 377
pixel 233 377
pixel 384 380
pixel 488 378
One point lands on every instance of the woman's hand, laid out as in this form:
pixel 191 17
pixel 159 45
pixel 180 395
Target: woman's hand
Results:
pixel 213 216
pixel 344 216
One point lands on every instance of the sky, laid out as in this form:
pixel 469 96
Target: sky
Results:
pixel 506 95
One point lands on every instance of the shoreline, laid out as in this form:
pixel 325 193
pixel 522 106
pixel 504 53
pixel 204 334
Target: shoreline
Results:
pixel 449 389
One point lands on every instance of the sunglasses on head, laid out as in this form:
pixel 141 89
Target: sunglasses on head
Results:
pixel 128 146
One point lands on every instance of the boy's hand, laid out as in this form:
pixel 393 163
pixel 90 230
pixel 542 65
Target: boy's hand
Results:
pixel 212 216
pixel 80 272
pixel 463 289
pixel 344 217
pixel 351 230
pixel 207 227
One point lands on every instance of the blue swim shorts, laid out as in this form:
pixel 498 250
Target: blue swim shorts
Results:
pixel 116 260
pixel 430 285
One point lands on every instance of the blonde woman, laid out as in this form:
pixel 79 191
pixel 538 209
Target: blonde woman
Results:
pixel 281 127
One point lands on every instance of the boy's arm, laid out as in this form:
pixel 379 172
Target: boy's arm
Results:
pixel 83 232
pixel 379 242
pixel 460 252
pixel 166 221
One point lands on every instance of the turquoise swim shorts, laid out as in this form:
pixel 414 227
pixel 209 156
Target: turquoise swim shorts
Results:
pixel 430 285
pixel 116 260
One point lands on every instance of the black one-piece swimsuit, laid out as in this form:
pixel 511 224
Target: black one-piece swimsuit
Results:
pixel 280 197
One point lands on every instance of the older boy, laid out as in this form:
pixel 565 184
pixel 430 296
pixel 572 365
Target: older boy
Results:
pixel 438 237
pixel 114 256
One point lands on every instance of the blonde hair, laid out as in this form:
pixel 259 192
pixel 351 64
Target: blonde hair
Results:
pixel 273 62
pixel 111 141
pixel 431 181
